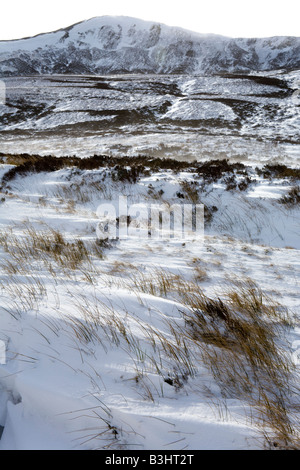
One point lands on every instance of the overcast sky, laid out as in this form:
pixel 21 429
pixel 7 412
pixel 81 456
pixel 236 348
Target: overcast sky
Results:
pixel 256 18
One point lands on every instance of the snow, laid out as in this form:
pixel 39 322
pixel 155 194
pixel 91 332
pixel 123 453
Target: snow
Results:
pixel 94 350
pixel 60 390
pixel 157 115
pixel 133 30
pixel 187 110
pixel 110 44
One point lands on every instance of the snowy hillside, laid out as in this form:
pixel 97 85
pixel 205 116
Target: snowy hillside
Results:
pixel 130 344
pixel 122 44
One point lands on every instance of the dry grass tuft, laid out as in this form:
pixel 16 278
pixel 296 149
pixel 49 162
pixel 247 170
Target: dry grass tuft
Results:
pixel 47 245
pixel 241 339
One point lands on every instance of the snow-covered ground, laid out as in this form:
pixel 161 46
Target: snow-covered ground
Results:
pixel 97 354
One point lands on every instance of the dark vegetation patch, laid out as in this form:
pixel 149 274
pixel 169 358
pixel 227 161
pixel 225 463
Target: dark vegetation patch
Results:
pixel 152 87
pixel 139 115
pixel 103 86
pixel 243 109
pixel 132 168
pixel 278 171
pixel 292 198
pixel 25 110
pixel 232 184
pixel 283 89
pixel 129 174
pixel 164 89
pixel 213 170
pixel 126 167
pixel 209 213
pixel 33 164
pixel 25 163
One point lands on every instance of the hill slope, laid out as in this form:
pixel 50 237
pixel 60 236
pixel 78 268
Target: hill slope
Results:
pixel 109 44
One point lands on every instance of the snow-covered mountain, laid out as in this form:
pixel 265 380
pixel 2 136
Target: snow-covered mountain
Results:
pixel 110 44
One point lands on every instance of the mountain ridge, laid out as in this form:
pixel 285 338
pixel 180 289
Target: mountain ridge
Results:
pixel 121 44
pixel 120 17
